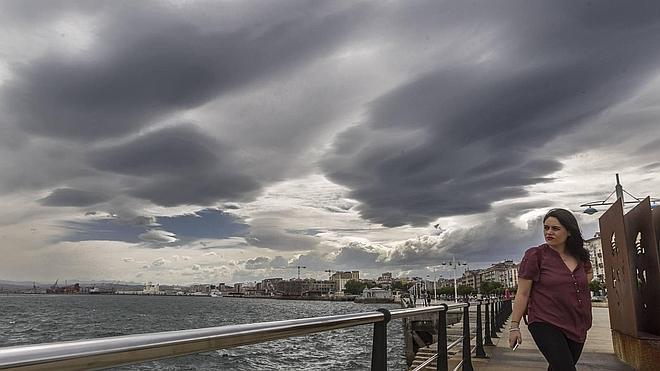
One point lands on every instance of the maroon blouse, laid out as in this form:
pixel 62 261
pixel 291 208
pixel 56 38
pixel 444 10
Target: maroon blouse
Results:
pixel 558 296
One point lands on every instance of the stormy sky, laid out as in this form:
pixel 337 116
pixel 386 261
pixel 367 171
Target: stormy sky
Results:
pixel 227 141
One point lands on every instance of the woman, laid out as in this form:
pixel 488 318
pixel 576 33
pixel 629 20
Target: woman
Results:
pixel 553 286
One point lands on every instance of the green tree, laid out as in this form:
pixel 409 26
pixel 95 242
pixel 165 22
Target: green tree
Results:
pixel 464 290
pixel 354 287
pixel 595 286
pixel 488 288
pixel 446 290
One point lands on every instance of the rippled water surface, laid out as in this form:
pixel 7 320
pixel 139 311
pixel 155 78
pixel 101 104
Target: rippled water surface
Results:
pixel 28 319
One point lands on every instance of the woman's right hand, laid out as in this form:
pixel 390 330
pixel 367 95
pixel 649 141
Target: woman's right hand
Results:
pixel 514 337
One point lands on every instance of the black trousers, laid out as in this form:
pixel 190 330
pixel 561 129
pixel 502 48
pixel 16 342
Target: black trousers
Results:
pixel 561 353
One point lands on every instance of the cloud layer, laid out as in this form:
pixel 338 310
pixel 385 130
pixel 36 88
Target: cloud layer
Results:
pixel 328 134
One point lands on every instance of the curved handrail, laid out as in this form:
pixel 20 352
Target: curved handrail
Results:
pixel 119 350
pixel 127 349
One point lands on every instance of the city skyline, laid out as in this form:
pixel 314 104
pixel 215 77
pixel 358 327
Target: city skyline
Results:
pixel 183 142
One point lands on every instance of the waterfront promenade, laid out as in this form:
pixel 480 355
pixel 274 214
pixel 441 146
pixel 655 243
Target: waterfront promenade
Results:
pixel 598 351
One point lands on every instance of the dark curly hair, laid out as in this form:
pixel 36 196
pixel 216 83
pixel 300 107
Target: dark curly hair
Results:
pixel 574 242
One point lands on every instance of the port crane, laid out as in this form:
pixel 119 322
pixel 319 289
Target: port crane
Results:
pixel 299 268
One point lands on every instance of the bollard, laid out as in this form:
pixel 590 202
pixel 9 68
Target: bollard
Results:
pixel 467 349
pixel 479 351
pixel 379 348
pixel 493 333
pixel 441 361
pixel 502 317
pixel 488 341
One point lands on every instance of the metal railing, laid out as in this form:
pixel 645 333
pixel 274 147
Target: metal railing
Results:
pixel 122 350
pixel 500 309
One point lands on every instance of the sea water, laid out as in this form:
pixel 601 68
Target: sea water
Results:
pixel 31 319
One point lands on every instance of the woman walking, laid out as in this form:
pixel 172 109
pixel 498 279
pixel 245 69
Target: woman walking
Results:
pixel 553 287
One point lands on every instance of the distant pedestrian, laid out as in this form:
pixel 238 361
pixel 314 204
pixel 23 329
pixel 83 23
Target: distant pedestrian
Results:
pixel 553 287
pixel 428 299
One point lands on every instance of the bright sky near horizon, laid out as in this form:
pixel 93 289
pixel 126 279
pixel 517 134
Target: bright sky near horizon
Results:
pixel 226 141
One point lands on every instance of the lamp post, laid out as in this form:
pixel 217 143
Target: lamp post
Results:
pixel 453 263
pixel 435 281
pixel 619 191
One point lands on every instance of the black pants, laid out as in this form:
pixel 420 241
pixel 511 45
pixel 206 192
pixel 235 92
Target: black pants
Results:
pixel 561 353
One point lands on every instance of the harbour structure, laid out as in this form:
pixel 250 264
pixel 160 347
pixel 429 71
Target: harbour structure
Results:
pixel 66 289
pixel 375 295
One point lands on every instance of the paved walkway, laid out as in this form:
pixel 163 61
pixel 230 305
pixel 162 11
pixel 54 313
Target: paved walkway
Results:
pixel 598 353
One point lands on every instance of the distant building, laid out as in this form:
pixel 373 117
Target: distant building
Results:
pixel 222 287
pixel 151 288
pixel 304 287
pixel 385 280
pixel 505 272
pixel 340 279
pixel 511 276
pixel 593 245
pixel 471 278
pixel 268 285
pixel 445 282
pixel 202 288
pixel 319 288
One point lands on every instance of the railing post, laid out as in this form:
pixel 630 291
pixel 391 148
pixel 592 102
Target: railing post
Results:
pixel 493 327
pixel 379 348
pixel 479 351
pixel 441 361
pixel 502 317
pixel 488 341
pixel 467 349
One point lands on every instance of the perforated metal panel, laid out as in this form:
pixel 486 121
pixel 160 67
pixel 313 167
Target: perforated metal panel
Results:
pixel 631 253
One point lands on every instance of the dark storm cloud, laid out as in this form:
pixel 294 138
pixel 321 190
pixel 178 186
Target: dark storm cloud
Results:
pixel 464 136
pixel 179 150
pixel 146 63
pixel 266 233
pixel 176 166
pixel 73 197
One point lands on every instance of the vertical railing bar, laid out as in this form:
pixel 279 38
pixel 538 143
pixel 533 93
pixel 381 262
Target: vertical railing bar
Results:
pixel 488 341
pixel 467 349
pixel 480 352
pixel 441 362
pixel 379 347
pixel 493 333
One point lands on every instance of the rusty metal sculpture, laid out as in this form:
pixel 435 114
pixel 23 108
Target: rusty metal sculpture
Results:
pixel 631 252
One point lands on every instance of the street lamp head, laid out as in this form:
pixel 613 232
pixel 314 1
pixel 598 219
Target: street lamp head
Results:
pixel 590 210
